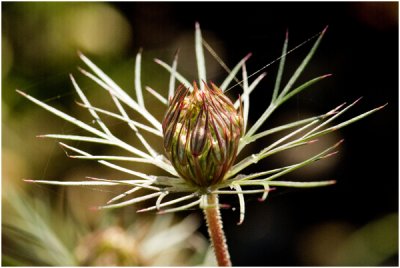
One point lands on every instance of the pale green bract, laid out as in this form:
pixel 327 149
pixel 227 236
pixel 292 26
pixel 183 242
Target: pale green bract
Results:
pixel 158 187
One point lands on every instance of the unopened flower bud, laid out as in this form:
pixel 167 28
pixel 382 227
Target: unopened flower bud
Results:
pixel 201 132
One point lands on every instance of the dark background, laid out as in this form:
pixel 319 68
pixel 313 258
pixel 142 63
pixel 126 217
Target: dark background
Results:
pixel 345 224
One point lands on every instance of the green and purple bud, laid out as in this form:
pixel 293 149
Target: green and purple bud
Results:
pixel 201 132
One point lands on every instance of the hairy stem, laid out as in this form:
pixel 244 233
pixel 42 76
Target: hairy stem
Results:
pixel 216 232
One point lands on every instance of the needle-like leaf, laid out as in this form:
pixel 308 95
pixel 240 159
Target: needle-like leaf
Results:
pixel 201 65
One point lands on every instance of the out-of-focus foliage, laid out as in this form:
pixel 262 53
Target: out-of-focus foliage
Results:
pixel 47 35
pixel 37 233
pixel 34 233
pixel 341 244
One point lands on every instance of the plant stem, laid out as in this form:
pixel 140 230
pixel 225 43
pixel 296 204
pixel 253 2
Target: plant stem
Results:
pixel 216 232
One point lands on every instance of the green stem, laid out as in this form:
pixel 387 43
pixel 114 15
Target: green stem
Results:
pixel 216 232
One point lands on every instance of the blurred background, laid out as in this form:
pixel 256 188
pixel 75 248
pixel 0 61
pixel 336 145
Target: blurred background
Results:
pixel 354 222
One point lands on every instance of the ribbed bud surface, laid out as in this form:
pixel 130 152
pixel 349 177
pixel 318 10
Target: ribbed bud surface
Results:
pixel 201 134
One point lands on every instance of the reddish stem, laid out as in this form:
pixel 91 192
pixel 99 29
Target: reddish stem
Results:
pixel 216 232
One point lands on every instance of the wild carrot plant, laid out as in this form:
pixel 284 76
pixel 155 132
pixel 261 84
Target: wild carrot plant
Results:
pixel 203 131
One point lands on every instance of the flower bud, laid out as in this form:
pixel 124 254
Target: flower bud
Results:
pixel 201 132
